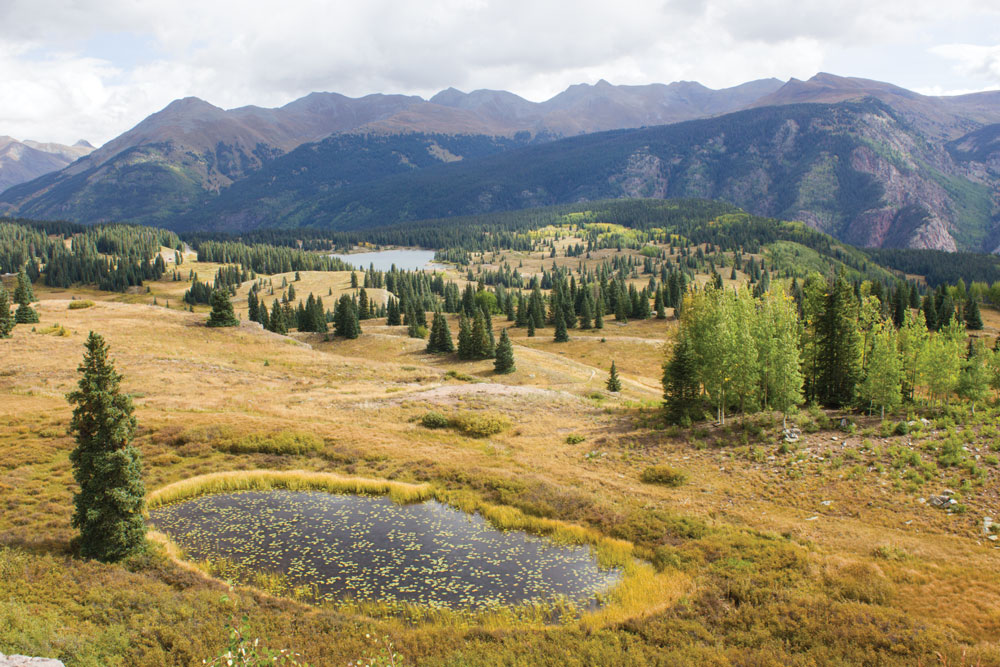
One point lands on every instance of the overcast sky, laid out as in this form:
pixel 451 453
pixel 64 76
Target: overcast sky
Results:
pixel 91 69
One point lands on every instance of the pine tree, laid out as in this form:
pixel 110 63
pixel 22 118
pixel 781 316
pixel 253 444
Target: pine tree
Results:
pixel 24 296
pixel 973 318
pixel 345 319
pixel 680 382
pixel 482 345
pixel 278 323
pixel 465 346
pixel 531 327
pixel 253 307
pixel 599 316
pixel 839 346
pixel 222 310
pixel 561 335
pixel 440 337
pixel 108 469
pixel 614 383
pixel 6 318
pixel 504 355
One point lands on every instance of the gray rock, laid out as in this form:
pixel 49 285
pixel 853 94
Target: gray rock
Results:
pixel 25 661
pixel 792 434
pixel 940 501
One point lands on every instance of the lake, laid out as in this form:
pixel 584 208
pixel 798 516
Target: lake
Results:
pixel 370 548
pixel 404 259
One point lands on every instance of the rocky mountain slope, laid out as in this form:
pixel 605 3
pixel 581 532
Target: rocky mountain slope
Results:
pixel 856 170
pixel 868 162
pixel 22 161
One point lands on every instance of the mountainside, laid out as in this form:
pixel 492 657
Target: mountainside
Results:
pixel 868 162
pixel 22 161
pixel 162 166
pixel 856 170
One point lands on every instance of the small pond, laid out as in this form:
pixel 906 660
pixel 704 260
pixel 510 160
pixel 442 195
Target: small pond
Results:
pixel 406 259
pixel 370 548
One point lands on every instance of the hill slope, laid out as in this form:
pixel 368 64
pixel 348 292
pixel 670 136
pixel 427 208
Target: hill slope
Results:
pixel 855 170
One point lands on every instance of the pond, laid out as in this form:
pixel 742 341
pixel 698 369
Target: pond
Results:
pixel 370 548
pixel 406 259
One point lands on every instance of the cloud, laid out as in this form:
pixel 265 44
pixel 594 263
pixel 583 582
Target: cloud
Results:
pixel 980 62
pixel 93 68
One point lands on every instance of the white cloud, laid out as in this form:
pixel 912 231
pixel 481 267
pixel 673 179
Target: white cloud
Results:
pixel 57 85
pixel 979 62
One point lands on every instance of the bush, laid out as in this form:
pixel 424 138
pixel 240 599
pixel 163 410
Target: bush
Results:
pixel 282 442
pixel 80 305
pixel 574 439
pixel 434 420
pixel 665 475
pixel 480 424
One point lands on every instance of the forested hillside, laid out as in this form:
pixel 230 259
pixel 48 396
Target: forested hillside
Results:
pixel 855 170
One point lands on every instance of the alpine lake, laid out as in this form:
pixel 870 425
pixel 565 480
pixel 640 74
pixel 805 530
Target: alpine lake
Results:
pixel 404 259
pixel 369 548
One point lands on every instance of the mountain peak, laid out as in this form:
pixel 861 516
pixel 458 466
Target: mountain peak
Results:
pixel 83 143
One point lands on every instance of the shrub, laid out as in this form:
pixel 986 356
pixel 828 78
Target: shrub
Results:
pixel 480 424
pixel 434 420
pixel 663 474
pixel 80 305
pixel 282 442
pixel 574 439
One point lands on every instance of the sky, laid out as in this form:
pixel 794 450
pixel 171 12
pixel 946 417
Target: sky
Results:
pixel 91 69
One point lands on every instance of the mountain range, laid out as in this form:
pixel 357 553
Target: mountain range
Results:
pixel 868 162
pixel 22 161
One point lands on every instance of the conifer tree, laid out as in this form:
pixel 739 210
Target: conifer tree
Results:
pixel 6 317
pixel 531 327
pixel 599 316
pixel 504 362
pixel 465 345
pixel 440 336
pixel 345 319
pixel 561 335
pixel 278 323
pixel 585 313
pixel 482 342
pixel 24 296
pixel 222 314
pixel 973 318
pixel 839 346
pixel 680 382
pixel 108 469
pixel 393 316
pixel 613 383
pixel 253 307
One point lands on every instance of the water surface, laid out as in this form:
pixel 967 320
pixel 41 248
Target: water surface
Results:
pixel 406 259
pixel 369 548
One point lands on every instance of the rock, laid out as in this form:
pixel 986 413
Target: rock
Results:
pixel 812 518
pixel 792 434
pixel 987 525
pixel 921 500
pixel 925 422
pixel 947 492
pixel 25 661
pixel 827 502
pixel 940 501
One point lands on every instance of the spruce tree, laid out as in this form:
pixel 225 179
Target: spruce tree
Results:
pixel 614 383
pixel 440 337
pixel 561 335
pixel 345 320
pixel 109 504
pixel 973 318
pixel 599 316
pixel 23 296
pixel 465 345
pixel 482 340
pixel 222 310
pixel 839 346
pixel 680 383
pixel 531 327
pixel 504 362
pixel 6 318
pixel 278 323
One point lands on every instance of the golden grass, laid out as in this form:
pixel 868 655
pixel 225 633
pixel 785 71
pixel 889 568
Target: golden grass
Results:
pixel 296 480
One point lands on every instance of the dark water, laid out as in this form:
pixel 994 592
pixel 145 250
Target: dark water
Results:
pixel 369 548
pixel 408 260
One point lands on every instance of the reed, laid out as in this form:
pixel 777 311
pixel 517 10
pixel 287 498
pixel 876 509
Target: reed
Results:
pixel 295 480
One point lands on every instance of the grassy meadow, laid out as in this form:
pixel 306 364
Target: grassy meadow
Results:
pixel 820 552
